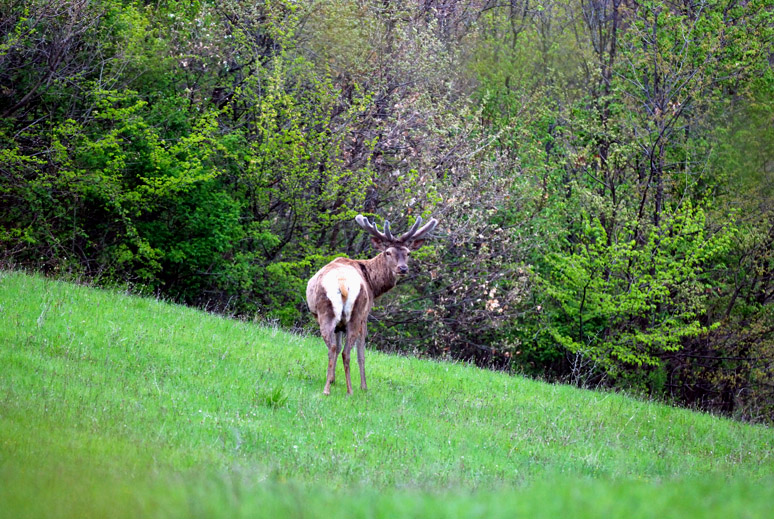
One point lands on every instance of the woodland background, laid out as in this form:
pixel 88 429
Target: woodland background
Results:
pixel 602 171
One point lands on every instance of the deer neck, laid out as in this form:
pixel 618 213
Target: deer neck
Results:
pixel 380 277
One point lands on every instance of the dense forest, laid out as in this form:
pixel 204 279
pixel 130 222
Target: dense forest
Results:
pixel 602 170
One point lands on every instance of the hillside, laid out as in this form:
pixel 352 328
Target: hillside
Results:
pixel 600 171
pixel 114 405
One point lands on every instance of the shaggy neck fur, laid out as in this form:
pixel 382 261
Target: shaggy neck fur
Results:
pixel 379 275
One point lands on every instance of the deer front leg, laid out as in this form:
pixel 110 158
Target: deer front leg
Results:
pixel 361 359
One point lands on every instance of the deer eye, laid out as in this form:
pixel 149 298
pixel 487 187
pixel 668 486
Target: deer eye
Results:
pixel 387 253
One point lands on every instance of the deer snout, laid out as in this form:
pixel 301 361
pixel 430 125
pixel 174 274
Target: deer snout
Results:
pixel 402 269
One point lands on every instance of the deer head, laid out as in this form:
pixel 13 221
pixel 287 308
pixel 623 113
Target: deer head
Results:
pixel 396 250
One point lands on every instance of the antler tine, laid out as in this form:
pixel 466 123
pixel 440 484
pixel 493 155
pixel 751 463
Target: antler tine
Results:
pixel 408 234
pixel 363 222
pixel 428 227
pixel 387 232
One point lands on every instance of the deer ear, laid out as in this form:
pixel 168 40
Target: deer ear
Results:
pixel 378 244
pixel 414 245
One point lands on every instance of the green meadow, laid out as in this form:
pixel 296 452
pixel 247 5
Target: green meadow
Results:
pixel 119 406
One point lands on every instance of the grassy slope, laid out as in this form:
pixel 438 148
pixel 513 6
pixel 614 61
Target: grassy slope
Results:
pixel 114 405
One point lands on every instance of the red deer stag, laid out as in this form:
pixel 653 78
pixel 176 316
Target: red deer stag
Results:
pixel 342 293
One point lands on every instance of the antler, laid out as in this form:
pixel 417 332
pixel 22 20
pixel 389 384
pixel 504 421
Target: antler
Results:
pixel 413 234
pixel 363 222
pixel 407 235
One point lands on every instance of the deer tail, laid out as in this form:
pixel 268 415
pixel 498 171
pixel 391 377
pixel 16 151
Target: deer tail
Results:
pixel 343 289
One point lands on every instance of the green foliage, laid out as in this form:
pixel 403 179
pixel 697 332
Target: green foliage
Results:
pixel 624 139
pixel 187 168
pixel 625 303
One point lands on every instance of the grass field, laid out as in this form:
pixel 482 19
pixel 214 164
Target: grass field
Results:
pixel 119 406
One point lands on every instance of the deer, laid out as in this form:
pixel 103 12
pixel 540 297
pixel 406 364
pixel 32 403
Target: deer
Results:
pixel 341 294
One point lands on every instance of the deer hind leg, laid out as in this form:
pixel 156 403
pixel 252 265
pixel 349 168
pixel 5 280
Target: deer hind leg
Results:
pixel 345 360
pixel 357 331
pixel 329 336
pixel 339 342
pixel 356 337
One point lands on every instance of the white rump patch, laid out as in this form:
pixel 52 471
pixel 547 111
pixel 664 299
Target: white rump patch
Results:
pixel 350 280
